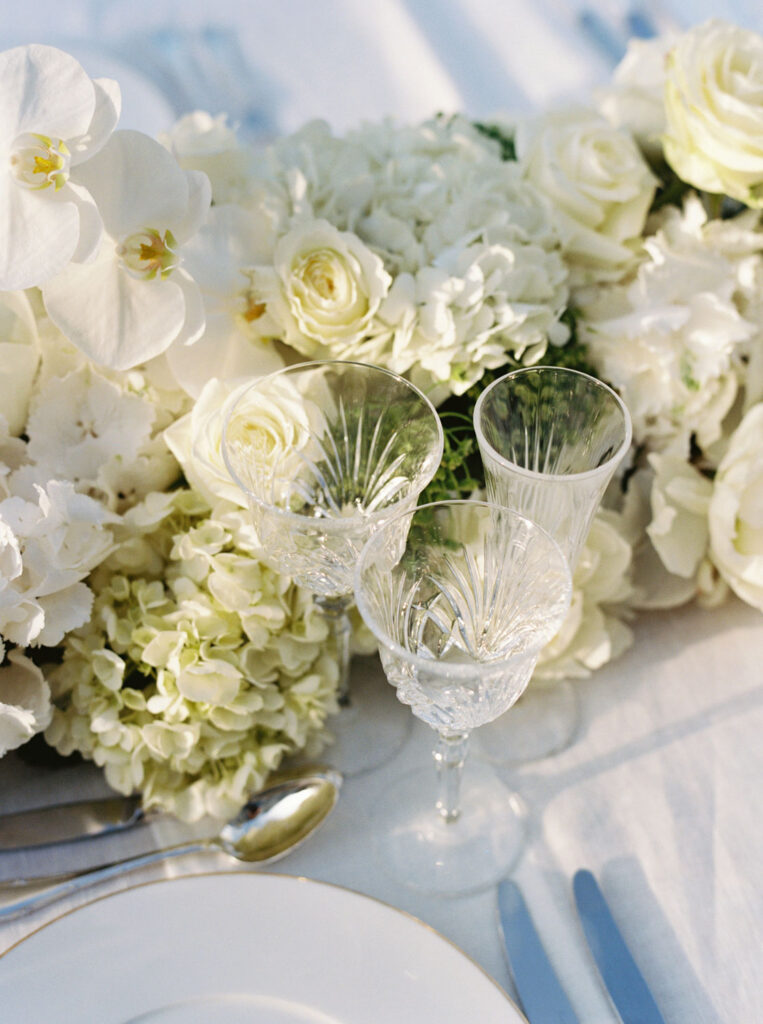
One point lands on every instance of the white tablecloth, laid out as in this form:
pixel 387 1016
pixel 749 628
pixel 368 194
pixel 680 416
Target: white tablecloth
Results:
pixel 660 794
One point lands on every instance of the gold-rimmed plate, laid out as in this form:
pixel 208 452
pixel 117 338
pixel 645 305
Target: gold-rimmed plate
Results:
pixel 244 948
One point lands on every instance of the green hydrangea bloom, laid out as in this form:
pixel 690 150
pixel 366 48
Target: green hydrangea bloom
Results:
pixel 200 669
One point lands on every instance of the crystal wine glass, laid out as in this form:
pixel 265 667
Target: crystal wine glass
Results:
pixel 461 596
pixel 550 440
pixel 325 453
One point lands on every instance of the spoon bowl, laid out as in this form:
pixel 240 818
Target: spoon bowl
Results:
pixel 269 826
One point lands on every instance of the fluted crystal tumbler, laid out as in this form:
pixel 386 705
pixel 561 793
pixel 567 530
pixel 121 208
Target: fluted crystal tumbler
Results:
pixel 461 596
pixel 325 454
pixel 550 440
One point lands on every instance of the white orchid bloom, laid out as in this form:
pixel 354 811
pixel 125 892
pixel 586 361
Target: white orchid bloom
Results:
pixel 221 258
pixel 53 119
pixel 135 298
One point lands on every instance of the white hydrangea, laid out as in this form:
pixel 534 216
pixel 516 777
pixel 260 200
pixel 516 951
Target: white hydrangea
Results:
pixel 673 340
pixel 417 248
pixel 25 707
pixel 200 667
pixel 47 548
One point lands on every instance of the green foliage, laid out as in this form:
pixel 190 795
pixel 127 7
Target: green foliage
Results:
pixel 461 471
pixel 506 142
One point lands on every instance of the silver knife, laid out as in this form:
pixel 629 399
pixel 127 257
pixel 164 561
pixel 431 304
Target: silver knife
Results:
pixel 543 998
pixel 624 981
pixel 61 823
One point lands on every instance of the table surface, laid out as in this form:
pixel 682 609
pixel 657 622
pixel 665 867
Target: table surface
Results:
pixel 660 793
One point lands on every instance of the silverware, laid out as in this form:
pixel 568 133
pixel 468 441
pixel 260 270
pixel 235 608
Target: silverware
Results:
pixel 543 998
pixel 271 825
pixel 61 823
pixel 623 979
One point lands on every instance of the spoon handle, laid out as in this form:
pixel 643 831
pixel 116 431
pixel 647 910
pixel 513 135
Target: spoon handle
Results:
pixel 83 881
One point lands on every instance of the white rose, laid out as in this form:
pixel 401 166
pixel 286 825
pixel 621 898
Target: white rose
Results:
pixel 634 100
pixel 324 289
pixel 714 108
pixel 196 441
pixel 597 180
pixel 201 142
pixel 736 511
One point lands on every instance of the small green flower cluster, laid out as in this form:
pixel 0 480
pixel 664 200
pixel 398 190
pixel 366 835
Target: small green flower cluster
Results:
pixel 200 669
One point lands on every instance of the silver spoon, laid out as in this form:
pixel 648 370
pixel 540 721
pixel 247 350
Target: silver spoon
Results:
pixel 270 825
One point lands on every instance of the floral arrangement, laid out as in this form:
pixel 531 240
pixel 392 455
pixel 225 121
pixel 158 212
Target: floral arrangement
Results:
pixel 141 280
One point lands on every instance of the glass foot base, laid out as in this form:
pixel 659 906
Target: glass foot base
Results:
pixel 372 729
pixel 544 721
pixel 423 851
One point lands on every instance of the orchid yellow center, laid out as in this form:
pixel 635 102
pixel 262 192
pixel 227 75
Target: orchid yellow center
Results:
pixel 249 306
pixel 149 254
pixel 38 162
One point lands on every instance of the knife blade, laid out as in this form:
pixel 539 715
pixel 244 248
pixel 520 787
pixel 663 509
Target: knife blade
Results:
pixel 61 823
pixel 624 981
pixel 543 998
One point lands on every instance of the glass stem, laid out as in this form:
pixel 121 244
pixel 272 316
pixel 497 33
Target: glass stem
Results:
pixel 335 609
pixel 449 757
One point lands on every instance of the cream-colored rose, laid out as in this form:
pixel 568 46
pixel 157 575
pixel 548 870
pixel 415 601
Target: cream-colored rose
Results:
pixel 201 142
pixel 324 289
pixel 714 109
pixel 196 442
pixel 736 511
pixel 634 99
pixel 598 182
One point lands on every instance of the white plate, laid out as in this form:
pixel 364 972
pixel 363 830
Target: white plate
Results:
pixel 244 949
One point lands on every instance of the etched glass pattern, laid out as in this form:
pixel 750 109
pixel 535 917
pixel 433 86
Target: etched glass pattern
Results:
pixel 461 596
pixel 550 440
pixel 325 453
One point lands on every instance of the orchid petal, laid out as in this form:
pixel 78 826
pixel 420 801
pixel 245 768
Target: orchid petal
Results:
pixel 115 319
pixel 195 317
pixel 46 91
pixel 90 223
pixel 221 352
pixel 136 184
pixel 108 107
pixel 199 199
pixel 38 238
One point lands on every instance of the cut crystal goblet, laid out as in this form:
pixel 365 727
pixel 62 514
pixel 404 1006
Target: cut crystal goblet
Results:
pixel 461 596
pixel 325 453
pixel 550 440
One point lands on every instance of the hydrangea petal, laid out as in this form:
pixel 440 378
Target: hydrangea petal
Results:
pixel 25 707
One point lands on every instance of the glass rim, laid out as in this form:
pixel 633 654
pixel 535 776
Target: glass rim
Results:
pixel 533 474
pixel 455 671
pixel 328 524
